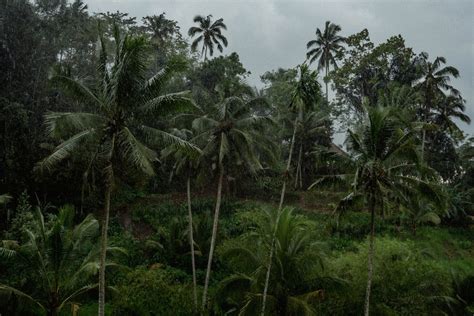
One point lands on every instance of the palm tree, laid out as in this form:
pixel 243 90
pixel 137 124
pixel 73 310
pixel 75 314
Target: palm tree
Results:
pixel 384 160
pixel 419 210
pixel 434 81
pixel 231 135
pixel 210 34
pixel 304 98
pixel 324 48
pixel 62 256
pixel 449 108
pixel 296 261
pixel 187 161
pixel 109 133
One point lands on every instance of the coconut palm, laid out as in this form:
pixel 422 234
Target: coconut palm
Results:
pixel 186 161
pixel 110 132
pixel 324 48
pixel 61 257
pixel 449 108
pixel 385 164
pixel 210 34
pixel 433 83
pixel 305 96
pixel 297 263
pixel 230 134
pixel 418 210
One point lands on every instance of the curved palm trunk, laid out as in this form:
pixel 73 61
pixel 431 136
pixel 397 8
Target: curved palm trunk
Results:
pixel 191 241
pixel 109 177
pixel 370 264
pixel 214 235
pixel 280 206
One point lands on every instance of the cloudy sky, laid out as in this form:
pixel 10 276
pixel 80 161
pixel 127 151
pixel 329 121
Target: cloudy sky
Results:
pixel 268 34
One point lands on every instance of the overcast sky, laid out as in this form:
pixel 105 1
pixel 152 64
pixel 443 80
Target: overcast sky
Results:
pixel 268 34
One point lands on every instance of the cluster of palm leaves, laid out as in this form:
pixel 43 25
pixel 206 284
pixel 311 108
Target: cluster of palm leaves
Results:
pixel 209 33
pixel 61 257
pixel 294 281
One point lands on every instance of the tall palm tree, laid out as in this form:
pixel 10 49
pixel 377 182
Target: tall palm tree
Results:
pixel 210 34
pixel 304 98
pixel 231 134
pixel 61 255
pixel 187 161
pixel 433 83
pixel 384 160
pixel 296 259
pixel 324 48
pixel 120 96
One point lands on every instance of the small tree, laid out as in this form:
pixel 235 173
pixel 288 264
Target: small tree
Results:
pixel 297 261
pixel 61 257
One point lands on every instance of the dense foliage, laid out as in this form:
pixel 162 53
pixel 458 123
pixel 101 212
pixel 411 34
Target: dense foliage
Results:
pixel 140 174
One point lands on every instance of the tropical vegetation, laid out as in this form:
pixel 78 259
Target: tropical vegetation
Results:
pixel 141 173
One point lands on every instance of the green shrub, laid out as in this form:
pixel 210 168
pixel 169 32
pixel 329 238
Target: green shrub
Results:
pixel 404 281
pixel 153 292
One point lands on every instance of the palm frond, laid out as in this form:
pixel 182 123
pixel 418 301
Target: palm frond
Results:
pixel 135 152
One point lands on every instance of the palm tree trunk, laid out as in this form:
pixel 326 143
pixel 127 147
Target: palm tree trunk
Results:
pixel 214 235
pixel 191 240
pixel 326 82
pixel 103 250
pixel 280 206
pixel 109 177
pixel 423 140
pixel 300 163
pixel 370 267
pixel 298 168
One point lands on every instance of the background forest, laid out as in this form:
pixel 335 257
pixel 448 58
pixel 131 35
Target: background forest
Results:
pixel 140 173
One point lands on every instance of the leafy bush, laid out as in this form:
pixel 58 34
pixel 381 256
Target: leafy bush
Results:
pixel 153 292
pixel 404 281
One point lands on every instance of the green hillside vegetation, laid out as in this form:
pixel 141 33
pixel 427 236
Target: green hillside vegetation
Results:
pixel 141 174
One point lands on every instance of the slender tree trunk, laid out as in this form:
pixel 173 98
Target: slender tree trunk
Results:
pixel 191 240
pixel 370 267
pixel 425 118
pixel 423 140
pixel 298 169
pixel 326 82
pixel 214 235
pixel 109 177
pixel 103 250
pixel 280 206
pixel 301 167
